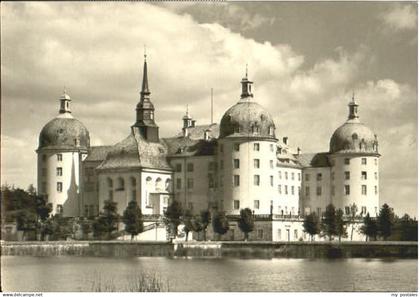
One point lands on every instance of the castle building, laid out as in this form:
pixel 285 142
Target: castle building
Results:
pixel 228 167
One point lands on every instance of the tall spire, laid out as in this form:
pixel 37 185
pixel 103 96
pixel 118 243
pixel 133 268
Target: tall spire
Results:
pixel 145 85
pixel 246 86
pixel 353 108
pixel 65 102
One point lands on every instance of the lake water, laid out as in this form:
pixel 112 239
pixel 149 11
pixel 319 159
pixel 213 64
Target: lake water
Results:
pixel 67 273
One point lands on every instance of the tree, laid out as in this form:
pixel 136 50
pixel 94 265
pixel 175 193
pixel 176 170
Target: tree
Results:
pixel 173 216
pixel 353 213
pixel 220 223
pixel 328 226
pixel 187 219
pixel 340 224
pixel 408 228
pixel 43 209
pixel 246 222
pixel 26 221
pixel 133 219
pixel 205 221
pixel 107 221
pixel 385 221
pixel 369 227
pixel 86 228
pixel 311 225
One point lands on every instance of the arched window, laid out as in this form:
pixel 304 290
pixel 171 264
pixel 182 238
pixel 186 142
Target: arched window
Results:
pixel 168 185
pixel 120 184
pixel 354 136
pixel 158 184
pixel 133 181
pixel 271 130
pixel 148 181
pixel 109 182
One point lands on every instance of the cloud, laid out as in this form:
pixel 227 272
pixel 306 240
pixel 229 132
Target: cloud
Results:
pixel 400 17
pixel 96 50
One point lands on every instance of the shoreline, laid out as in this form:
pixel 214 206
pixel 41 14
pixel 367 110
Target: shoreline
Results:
pixel 213 249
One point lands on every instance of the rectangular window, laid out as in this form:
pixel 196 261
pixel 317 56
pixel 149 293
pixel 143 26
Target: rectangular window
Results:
pixel 272 147
pixel 256 146
pixel 364 210
pixel 271 164
pixel 347 210
pixel 178 183
pixel 298 176
pixel 178 167
pixel 256 180
pixel 364 189
pixel 279 188
pixel 59 157
pixel 286 191
pixel 306 177
pixel 257 204
pixel 236 204
pixel 293 176
pixel 376 161
pixel 279 174
pixel 236 180
pixel 364 175
pixel 319 176
pixel 347 189
pixel 190 167
pixel 296 234
pixel 347 161
pixel 364 161
pixel 347 175
pixel 271 180
pixel 286 176
pixel 279 234
pixel 319 191
pixel 292 190
pixel 307 191
pixel 236 147
pixel 59 187
pixel 376 190
pixel 299 191
pixel 376 175
pixel 236 163
pixel 260 233
pixel 190 183
pixel 59 171
pixel 44 158
pixel 256 163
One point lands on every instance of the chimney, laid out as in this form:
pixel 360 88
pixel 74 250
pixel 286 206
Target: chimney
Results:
pixel 286 140
pixel 298 150
pixel 207 135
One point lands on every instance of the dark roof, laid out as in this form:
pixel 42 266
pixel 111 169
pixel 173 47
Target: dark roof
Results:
pixel 197 132
pixel 185 146
pixel 314 160
pixel 64 132
pixel 98 153
pixel 135 152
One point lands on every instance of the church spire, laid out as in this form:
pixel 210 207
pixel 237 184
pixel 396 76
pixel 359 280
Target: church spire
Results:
pixel 65 102
pixel 145 85
pixel 353 109
pixel 246 86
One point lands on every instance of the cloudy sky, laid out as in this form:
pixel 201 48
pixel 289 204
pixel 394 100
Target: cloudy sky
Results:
pixel 305 59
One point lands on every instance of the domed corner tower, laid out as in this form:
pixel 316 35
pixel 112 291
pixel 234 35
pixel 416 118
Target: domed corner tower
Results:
pixel 246 156
pixel 63 144
pixel 354 159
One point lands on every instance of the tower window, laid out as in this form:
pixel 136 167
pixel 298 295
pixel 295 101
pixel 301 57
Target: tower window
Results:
pixel 272 147
pixel 293 175
pixel 347 175
pixel 236 147
pixel 59 187
pixel 236 180
pixel 44 157
pixel 364 175
pixel 271 164
pixel 236 204
pixel 318 191
pixel 256 146
pixel 298 176
pixel 364 161
pixel 319 176
pixel 364 189
pixel 376 161
pixel 376 190
pixel 236 163
pixel 59 157
pixel 271 180
pixel 257 204
pixel 346 161
pixel 307 177
pixel 178 167
pixel 347 189
pixel 256 180
pixel 59 171
pixel 376 175
pixel 256 163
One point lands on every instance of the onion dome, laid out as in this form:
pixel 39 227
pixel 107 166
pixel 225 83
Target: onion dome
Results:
pixel 247 118
pixel 353 136
pixel 64 131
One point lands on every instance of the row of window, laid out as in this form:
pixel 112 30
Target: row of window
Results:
pixel 363 175
pixel 236 147
pixel 362 160
pixel 59 157
pixel 257 180
pixel 346 190
pixel 286 190
pixel 292 175
pixel 133 182
pixel 91 210
pixel 347 211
